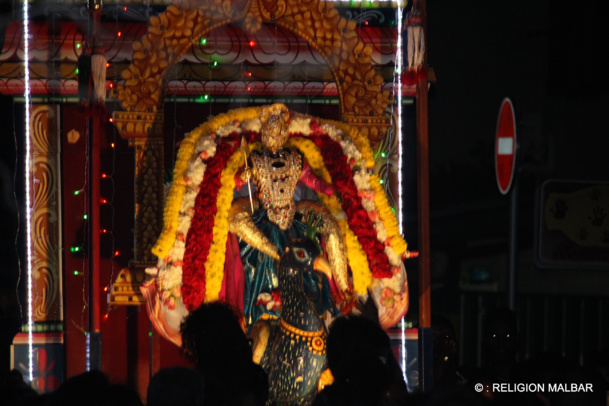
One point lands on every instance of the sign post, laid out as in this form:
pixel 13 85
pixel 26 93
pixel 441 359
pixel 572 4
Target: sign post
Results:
pixel 505 163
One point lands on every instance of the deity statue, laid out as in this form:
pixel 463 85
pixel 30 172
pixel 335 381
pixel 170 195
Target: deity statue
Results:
pixel 265 223
pixel 247 183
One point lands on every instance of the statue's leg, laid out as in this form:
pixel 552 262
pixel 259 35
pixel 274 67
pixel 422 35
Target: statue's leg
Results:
pixel 260 334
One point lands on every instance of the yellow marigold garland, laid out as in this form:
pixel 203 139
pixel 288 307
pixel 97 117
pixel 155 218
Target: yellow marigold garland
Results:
pixel 174 199
pixel 356 256
pixel 387 216
pixel 214 266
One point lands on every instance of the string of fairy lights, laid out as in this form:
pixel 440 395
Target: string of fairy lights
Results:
pixel 28 185
pixel 398 79
pixel 399 5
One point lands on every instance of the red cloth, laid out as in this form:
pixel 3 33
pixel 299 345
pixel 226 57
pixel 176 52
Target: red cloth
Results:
pixel 234 279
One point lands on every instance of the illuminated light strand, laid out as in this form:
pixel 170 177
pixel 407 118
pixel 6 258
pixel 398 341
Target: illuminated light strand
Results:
pixel 398 73
pixel 403 352
pixel 110 177
pixel 84 258
pixel 399 69
pixel 28 202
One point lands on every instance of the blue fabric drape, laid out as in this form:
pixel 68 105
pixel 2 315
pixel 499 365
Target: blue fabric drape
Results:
pixel 261 270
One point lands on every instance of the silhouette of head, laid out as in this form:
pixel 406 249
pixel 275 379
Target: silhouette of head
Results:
pixel 358 350
pixel 214 339
pixel 88 388
pixel 176 386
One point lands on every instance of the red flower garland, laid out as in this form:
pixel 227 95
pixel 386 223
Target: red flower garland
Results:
pixel 357 217
pixel 200 234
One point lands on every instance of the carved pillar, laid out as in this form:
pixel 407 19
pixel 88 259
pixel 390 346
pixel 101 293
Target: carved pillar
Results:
pixel 145 134
pixel 46 253
pixel 45 214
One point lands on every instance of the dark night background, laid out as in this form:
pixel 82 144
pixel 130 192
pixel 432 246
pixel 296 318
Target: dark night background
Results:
pixel 550 58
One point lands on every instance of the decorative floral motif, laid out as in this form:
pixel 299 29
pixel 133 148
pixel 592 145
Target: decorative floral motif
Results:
pixel 388 298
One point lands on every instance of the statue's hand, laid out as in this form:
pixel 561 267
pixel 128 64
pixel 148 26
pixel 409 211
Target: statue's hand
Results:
pixel 347 301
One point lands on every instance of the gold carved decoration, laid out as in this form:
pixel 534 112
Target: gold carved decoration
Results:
pixel 148 195
pixel 173 32
pixel 124 288
pixel 139 124
pixel 46 243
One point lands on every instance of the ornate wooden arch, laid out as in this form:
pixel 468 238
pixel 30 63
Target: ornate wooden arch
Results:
pixel 172 33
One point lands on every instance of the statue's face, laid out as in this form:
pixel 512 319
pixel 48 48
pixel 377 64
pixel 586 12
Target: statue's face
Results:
pixel 274 126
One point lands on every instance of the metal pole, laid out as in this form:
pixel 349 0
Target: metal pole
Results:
pixel 425 332
pixel 512 251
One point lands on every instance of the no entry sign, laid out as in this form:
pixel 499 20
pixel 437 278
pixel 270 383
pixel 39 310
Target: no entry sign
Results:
pixel 505 146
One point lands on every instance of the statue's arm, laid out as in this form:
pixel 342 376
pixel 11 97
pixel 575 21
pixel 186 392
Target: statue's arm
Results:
pixel 335 247
pixel 314 182
pixel 241 224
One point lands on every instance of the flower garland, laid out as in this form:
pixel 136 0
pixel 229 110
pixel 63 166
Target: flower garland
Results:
pixel 204 256
pixel 214 266
pixel 357 216
pixel 356 256
pixel 387 216
pixel 200 235
pixel 358 219
pixel 385 213
pixel 361 142
pixel 174 200
pixel 201 178
pixel 373 199
pixel 198 147
pixel 183 160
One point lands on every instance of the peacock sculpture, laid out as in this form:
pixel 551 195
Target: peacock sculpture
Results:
pixel 295 353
